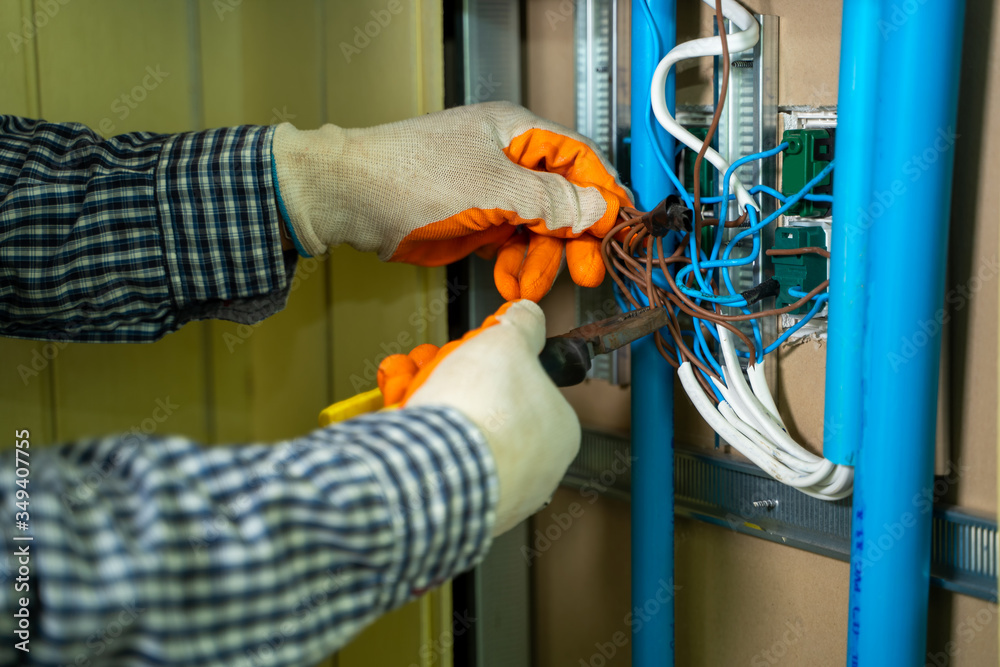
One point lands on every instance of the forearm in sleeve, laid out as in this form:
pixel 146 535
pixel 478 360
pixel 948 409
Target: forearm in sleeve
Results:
pixel 128 238
pixel 158 551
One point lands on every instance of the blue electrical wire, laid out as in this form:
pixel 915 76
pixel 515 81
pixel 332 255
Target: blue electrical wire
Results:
pixel 794 199
pixel 702 264
pixel 768 191
pixel 725 187
pixel 820 299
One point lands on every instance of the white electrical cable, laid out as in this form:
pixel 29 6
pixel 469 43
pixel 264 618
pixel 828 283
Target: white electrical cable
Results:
pixel 747 417
pixel 758 412
pixel 723 419
pixel 697 48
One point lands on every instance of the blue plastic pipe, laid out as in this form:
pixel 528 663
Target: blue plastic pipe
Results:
pixel 859 48
pixel 918 74
pixel 653 34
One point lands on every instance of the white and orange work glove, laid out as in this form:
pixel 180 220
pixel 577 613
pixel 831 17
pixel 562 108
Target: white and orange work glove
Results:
pixel 430 190
pixel 492 375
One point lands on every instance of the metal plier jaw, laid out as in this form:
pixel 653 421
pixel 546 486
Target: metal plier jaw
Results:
pixel 566 358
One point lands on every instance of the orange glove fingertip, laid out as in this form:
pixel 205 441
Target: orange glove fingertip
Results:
pixel 506 270
pixel 583 258
pixel 423 354
pixel 392 366
pixel 395 388
pixel 541 266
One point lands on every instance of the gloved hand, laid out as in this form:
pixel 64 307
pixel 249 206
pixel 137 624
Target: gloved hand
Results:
pixel 431 190
pixel 492 375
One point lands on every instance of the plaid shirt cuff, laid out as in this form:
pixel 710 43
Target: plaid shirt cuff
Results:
pixel 217 201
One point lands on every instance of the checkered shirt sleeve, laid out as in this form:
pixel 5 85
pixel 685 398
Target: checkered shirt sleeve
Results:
pixel 160 552
pixel 128 238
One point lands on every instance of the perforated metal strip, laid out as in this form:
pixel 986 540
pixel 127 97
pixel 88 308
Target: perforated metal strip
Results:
pixel 722 490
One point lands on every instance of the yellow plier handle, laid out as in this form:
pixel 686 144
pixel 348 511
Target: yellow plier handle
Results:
pixel 349 408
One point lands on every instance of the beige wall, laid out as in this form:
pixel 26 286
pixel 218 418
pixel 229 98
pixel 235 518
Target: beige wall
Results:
pixel 739 593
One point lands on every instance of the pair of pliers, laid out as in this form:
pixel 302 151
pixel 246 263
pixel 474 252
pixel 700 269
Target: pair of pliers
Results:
pixel 566 358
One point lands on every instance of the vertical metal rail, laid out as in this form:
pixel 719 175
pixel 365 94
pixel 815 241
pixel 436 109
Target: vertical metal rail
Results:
pixel 653 34
pixel 908 210
pixel 859 57
pixel 749 124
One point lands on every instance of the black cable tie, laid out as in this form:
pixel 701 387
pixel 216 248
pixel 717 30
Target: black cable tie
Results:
pixel 769 287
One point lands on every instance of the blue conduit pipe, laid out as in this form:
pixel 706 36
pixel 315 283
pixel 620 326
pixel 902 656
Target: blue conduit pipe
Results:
pixel 653 34
pixel 859 48
pixel 909 206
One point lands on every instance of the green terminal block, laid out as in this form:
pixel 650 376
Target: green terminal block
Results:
pixel 707 177
pixel 804 271
pixel 808 153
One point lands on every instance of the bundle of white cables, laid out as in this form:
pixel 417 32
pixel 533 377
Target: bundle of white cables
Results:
pixel 747 417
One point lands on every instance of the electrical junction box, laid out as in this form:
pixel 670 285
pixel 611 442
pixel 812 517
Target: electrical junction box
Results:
pixel 809 118
pixel 805 271
pixel 809 152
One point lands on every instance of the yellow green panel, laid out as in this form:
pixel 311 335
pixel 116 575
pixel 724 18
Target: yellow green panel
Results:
pixel 16 59
pixel 374 46
pixel 418 634
pixel 379 309
pixel 287 87
pixel 261 65
pixel 109 389
pixel 221 46
pixel 25 386
pixel 261 62
pixel 271 379
pixel 117 66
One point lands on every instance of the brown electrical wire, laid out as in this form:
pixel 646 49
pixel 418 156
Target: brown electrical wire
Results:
pixel 716 117
pixel 628 251
pixel 784 252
